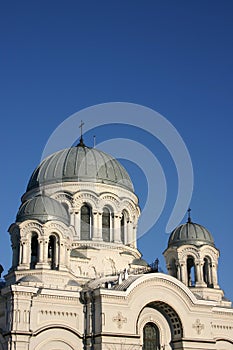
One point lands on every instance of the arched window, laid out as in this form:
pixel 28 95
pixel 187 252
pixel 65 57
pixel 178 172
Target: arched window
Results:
pixel 207 272
pixel 106 225
pixel 191 271
pixel 53 252
pixel 34 250
pixel 151 337
pixel 85 222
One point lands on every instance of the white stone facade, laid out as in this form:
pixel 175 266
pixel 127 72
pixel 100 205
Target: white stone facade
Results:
pixel 82 284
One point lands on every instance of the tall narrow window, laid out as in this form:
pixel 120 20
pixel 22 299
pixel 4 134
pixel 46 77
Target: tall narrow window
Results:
pixel 34 250
pixel 151 337
pixel 106 225
pixel 85 222
pixel 123 228
pixel 52 253
pixel 191 271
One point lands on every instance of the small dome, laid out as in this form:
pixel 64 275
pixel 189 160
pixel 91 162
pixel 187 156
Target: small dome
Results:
pixel 140 262
pixel 190 233
pixel 80 163
pixel 73 283
pixel 43 209
pixel 29 278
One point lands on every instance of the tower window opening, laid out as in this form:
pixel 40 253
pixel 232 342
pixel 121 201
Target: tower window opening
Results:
pixel 52 253
pixel 34 250
pixel 191 271
pixel 151 337
pixel 106 225
pixel 207 272
pixel 86 221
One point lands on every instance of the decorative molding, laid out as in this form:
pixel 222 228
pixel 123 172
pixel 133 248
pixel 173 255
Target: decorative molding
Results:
pixel 58 313
pixel 184 251
pixel 164 281
pixel 63 197
pixel 221 326
pixel 198 326
pixel 119 319
pixel 26 229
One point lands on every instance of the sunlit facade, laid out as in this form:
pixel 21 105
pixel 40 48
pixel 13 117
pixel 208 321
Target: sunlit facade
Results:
pixel 78 281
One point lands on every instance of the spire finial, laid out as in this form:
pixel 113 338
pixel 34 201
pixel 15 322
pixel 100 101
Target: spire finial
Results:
pixel 81 143
pixel 189 215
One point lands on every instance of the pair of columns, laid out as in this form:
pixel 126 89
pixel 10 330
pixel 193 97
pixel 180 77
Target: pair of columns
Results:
pixel 182 273
pixel 22 254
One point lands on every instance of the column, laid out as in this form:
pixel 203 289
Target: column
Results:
pixel 97 227
pixel 62 260
pixel 117 229
pixel 130 239
pixel 58 252
pixel 67 254
pixel 178 269
pixel 76 219
pixel 41 251
pixel 183 270
pixel 214 275
pixel 15 256
pixel 199 274
pixel 111 227
pixel 72 215
pixel 26 253
pixel 134 230
pixel 43 254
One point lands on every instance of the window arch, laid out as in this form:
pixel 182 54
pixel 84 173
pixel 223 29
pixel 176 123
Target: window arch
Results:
pixel 86 222
pixel 106 221
pixel 34 250
pixel 151 337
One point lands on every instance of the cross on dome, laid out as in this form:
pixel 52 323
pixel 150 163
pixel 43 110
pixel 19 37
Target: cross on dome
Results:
pixel 81 143
pixel 189 215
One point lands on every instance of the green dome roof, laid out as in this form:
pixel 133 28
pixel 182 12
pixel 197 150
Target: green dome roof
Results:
pixel 190 233
pixel 43 209
pixel 80 163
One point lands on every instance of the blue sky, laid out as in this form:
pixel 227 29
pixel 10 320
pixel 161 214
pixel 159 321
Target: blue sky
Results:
pixel 175 57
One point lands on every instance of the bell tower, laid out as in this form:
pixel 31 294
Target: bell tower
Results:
pixel 192 258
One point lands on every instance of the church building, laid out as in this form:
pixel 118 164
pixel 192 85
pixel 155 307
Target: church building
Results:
pixel 78 281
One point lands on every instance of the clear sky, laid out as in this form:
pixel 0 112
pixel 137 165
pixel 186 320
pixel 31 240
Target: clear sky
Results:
pixel 176 57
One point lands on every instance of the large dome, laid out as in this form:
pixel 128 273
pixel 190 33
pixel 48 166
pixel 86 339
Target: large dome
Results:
pixel 80 163
pixel 43 209
pixel 190 233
